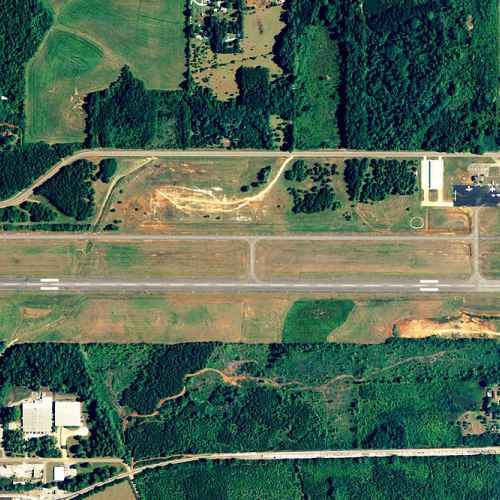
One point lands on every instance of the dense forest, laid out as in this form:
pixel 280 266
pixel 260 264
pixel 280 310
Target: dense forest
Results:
pixel 390 395
pixel 21 166
pixel 71 191
pixel 446 478
pixel 413 74
pixel 22 26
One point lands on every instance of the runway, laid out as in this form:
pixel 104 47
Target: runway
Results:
pixel 393 286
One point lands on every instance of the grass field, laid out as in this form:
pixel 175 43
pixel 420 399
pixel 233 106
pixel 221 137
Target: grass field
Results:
pixel 317 70
pixel 172 260
pixel 490 259
pixel 490 221
pixel 142 208
pixel 84 51
pixel 159 318
pixel 322 260
pixel 120 491
pixel 244 317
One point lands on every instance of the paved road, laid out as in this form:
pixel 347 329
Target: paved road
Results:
pixel 211 153
pixel 299 455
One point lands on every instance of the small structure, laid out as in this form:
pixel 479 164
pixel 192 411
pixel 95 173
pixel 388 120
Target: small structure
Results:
pixel 59 473
pixel 37 417
pixel 68 414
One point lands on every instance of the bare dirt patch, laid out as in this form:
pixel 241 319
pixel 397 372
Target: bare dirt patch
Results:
pixel 464 326
pixel 34 313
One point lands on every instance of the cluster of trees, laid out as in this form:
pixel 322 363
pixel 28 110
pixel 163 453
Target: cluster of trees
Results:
pixel 71 191
pixel 32 211
pixel 21 166
pixel 128 115
pixel 107 169
pixel 164 374
pixel 260 179
pixel 15 444
pixel 62 368
pixel 22 27
pixel 320 196
pixel 375 179
pixel 224 32
pixel 62 226
pixel 39 212
pixel 96 475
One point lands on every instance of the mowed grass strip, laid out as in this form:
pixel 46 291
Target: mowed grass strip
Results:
pixel 361 260
pixel 490 259
pixel 191 260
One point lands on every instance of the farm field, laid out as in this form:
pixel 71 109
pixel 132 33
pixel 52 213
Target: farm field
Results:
pixel 83 52
pixel 490 259
pixel 322 260
pixel 168 259
pixel 243 317
pixel 120 491
pixel 217 71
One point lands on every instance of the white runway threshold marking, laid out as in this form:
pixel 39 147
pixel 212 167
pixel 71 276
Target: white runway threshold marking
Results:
pixel 428 289
pixel 49 280
pixel 49 288
pixel 429 281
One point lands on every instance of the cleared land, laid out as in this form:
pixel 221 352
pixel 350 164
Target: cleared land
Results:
pixel 143 208
pixel 84 50
pixel 322 260
pixel 318 69
pixel 248 318
pixel 170 259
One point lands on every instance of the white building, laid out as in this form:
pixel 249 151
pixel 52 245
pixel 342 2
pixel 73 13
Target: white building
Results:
pixel 37 417
pixel 68 414
pixel 59 473
pixel 432 174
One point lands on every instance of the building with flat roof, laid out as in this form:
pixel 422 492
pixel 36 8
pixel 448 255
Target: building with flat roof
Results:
pixel 432 174
pixel 37 417
pixel 59 473
pixel 68 414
